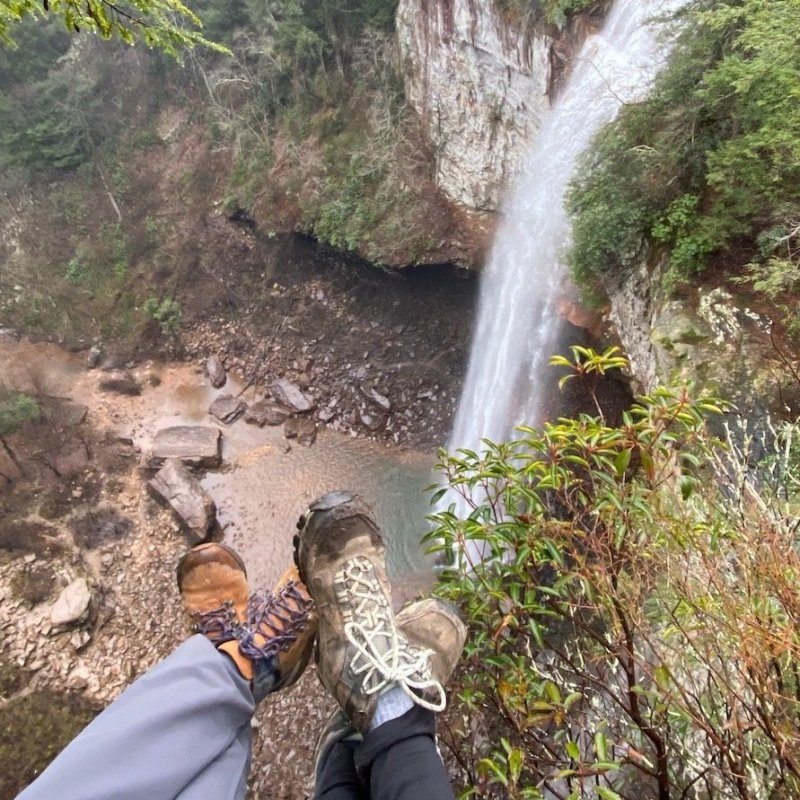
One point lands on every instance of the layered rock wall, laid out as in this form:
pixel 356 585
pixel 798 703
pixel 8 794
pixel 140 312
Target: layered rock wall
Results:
pixel 709 336
pixel 479 83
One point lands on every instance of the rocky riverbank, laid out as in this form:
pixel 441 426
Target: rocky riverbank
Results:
pixel 380 354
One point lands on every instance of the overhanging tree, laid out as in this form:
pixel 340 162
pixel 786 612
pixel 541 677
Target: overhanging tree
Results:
pixel 168 25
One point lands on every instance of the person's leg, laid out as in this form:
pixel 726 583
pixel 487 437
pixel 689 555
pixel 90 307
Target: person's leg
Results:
pixel 399 760
pixel 385 672
pixel 184 726
pixel 218 779
pixel 159 734
pixel 335 776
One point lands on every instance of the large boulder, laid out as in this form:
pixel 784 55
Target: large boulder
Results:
pixel 290 395
pixel 194 445
pixel 193 506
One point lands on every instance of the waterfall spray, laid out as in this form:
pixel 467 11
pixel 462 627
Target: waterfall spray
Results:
pixel 518 325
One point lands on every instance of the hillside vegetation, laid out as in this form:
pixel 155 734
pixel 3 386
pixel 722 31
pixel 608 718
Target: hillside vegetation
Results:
pixel 708 167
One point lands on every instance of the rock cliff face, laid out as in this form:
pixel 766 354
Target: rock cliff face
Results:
pixel 710 337
pixel 479 84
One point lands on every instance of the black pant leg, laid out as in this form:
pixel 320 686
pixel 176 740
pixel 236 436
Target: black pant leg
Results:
pixel 399 760
pixel 338 779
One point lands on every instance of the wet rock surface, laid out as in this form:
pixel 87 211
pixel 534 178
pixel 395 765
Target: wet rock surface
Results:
pixel 195 445
pixel 193 506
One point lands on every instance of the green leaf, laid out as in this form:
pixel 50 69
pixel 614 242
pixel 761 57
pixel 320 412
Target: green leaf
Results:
pixel 600 746
pixel 607 794
pixel 573 751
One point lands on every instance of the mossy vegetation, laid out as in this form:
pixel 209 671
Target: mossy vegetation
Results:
pixel 556 12
pixel 34 728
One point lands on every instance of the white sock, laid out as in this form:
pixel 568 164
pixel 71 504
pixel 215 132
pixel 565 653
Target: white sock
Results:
pixel 392 703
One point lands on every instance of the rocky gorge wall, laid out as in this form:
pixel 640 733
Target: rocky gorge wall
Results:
pixel 713 335
pixel 479 83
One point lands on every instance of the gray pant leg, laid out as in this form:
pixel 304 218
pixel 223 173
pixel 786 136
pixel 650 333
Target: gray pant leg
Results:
pixel 225 778
pixel 182 721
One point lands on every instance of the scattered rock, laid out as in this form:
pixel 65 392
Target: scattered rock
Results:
pixel 95 354
pixel 194 445
pixel 263 412
pixel 72 605
pixel 301 428
pixel 194 508
pixel 216 371
pixel 290 395
pixel 372 422
pixel 121 383
pixel 227 408
pixel 376 398
pixel 326 415
pixel 79 640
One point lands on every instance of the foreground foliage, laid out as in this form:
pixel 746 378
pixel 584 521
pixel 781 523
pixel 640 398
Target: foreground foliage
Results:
pixel 710 163
pixel 168 25
pixel 632 596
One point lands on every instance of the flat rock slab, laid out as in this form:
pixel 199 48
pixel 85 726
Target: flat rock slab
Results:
pixel 301 428
pixel 72 605
pixel 193 506
pixel 290 395
pixel 194 445
pixel 67 413
pixel 227 408
pixel 216 371
pixel 263 412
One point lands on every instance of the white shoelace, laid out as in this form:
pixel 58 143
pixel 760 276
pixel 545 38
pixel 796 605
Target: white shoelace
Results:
pixel 400 664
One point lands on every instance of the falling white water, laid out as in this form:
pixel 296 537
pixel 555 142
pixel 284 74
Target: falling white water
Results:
pixel 518 326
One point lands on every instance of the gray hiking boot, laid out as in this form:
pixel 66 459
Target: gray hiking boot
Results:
pixel 429 624
pixel 361 651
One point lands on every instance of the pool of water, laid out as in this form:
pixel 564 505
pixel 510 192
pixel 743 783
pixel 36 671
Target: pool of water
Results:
pixel 263 485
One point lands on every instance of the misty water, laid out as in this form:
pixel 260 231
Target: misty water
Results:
pixel 518 326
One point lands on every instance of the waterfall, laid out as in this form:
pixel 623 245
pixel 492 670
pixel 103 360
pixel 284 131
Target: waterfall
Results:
pixel 518 324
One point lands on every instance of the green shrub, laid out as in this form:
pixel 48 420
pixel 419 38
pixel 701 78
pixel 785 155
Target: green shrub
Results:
pixel 711 158
pixel 166 312
pixel 76 271
pixel 633 625
pixel 16 408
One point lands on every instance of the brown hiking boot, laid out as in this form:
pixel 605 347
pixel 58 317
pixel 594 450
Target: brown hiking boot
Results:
pixel 361 651
pixel 212 581
pixel 279 634
pixel 429 624
pixel 269 638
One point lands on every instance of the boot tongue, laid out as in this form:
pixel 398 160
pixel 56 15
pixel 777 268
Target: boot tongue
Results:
pixel 243 664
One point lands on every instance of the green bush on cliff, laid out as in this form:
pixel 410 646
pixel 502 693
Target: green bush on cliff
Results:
pixel 634 631
pixel 711 159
